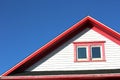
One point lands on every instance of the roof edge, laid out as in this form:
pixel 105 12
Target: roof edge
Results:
pixel 65 77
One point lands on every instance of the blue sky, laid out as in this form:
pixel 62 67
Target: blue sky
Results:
pixel 26 25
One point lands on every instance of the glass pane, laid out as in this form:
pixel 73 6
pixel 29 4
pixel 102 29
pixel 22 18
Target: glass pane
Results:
pixel 82 52
pixel 96 52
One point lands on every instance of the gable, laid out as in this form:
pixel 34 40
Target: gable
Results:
pixel 63 40
pixel 62 59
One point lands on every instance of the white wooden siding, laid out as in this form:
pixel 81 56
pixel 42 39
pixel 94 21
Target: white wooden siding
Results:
pixel 63 57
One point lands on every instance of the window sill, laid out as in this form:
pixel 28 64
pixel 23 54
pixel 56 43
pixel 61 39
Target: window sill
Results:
pixel 90 61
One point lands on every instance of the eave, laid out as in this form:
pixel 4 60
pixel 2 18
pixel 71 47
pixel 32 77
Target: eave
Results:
pixel 65 77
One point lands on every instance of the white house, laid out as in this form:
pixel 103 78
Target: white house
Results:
pixel 87 50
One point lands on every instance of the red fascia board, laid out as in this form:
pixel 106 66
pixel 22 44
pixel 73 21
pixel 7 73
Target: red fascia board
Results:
pixel 48 45
pixel 65 77
pixel 105 28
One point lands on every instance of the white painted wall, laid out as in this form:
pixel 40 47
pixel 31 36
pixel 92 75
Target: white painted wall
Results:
pixel 63 58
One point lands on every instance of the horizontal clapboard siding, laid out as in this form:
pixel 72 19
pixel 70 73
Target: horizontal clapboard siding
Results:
pixel 62 59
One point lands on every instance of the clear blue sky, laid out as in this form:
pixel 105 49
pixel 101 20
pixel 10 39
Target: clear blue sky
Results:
pixel 26 25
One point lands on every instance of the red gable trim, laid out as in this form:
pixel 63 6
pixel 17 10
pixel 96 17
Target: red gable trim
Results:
pixel 61 39
pixel 105 31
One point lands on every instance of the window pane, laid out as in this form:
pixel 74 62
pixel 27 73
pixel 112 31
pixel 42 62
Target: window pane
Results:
pixel 82 52
pixel 96 52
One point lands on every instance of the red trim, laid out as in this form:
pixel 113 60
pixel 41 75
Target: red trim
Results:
pixel 61 39
pixel 65 77
pixel 103 51
pixel 75 59
pixel 89 44
pixel 105 30
pixel 106 35
pixel 89 53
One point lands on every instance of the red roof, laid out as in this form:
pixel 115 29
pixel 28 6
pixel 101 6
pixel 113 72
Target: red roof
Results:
pixel 61 39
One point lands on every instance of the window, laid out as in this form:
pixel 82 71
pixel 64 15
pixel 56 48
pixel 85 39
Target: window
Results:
pixel 81 52
pixel 89 51
pixel 96 52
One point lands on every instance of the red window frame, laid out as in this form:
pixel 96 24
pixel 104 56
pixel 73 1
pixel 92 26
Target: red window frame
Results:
pixel 89 45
